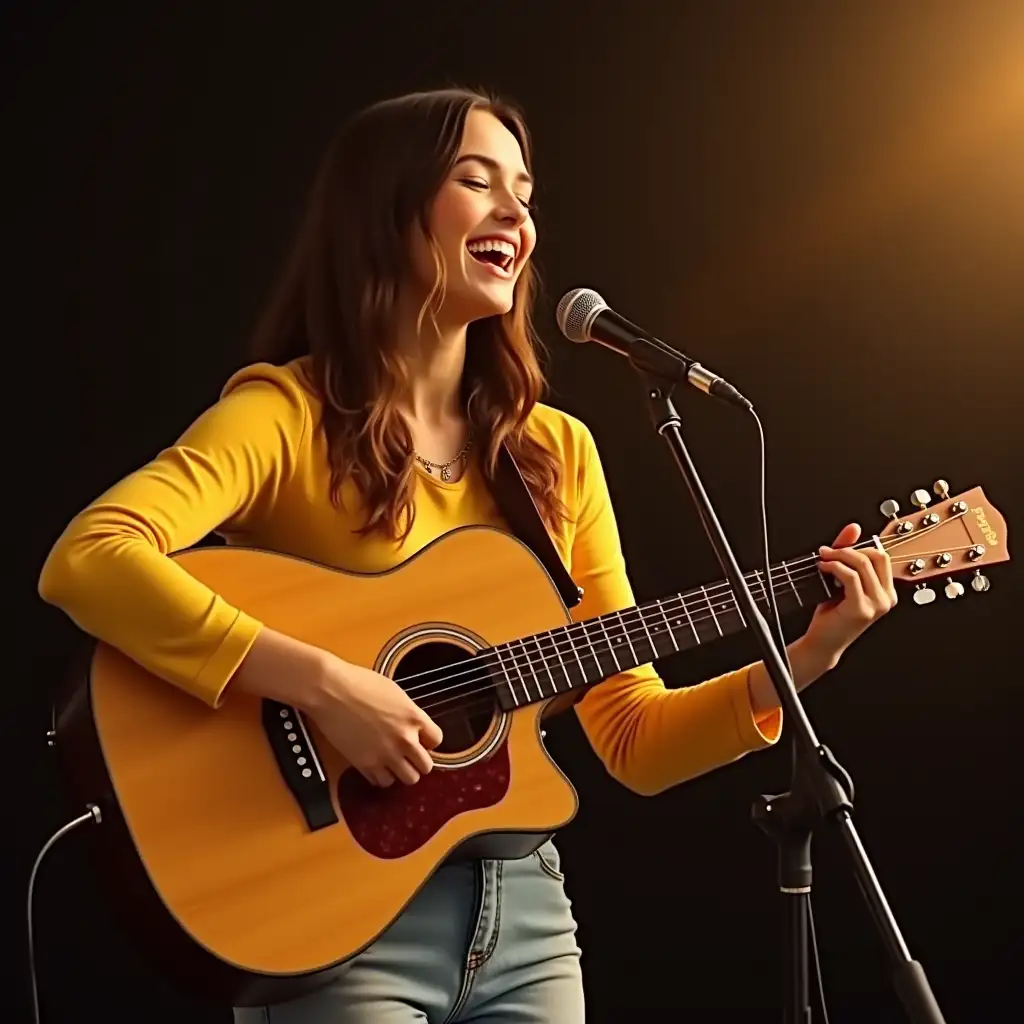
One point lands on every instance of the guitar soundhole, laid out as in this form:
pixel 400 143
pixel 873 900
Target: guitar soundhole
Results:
pixel 461 701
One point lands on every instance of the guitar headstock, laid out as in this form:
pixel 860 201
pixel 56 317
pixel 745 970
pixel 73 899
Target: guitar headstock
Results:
pixel 959 533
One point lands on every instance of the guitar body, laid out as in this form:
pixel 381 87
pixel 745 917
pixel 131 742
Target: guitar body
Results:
pixel 207 854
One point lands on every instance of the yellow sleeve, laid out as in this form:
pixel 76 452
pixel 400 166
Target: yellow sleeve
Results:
pixel 109 570
pixel 648 736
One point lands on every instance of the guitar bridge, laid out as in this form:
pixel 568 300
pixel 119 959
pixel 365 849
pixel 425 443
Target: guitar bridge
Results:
pixel 298 763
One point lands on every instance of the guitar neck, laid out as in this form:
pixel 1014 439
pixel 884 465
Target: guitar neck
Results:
pixel 544 665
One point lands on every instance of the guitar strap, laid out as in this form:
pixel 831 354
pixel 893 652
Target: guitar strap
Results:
pixel 516 505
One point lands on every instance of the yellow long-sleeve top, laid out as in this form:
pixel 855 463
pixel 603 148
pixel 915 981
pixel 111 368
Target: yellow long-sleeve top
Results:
pixel 253 468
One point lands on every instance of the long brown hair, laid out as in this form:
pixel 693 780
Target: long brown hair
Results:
pixel 337 293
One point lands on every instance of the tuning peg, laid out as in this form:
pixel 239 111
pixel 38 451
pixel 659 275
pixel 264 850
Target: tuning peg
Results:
pixel 923 594
pixel 920 498
pixel 980 583
pixel 890 508
pixel 953 589
pixel 941 488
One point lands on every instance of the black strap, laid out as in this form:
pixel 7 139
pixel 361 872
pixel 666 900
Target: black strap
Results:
pixel 516 504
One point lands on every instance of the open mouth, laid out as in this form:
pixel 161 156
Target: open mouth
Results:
pixel 491 252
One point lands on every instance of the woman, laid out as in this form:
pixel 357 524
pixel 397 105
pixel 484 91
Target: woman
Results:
pixel 398 357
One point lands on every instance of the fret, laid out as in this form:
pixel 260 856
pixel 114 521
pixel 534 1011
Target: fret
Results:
pixel 600 672
pixel 625 632
pixel 508 678
pixel 668 625
pixel 789 577
pixel 607 663
pixel 545 662
pixel 825 582
pixel 526 657
pixel 561 661
pixel 712 610
pixel 739 611
pixel 650 639
pixel 608 640
pixel 557 644
pixel 689 619
pixel 576 655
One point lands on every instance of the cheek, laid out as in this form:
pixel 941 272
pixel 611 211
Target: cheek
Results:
pixel 452 217
pixel 529 235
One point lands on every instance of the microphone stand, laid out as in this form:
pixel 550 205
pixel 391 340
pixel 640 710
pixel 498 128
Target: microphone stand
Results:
pixel 821 789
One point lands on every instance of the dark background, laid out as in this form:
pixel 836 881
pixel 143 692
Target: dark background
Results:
pixel 825 202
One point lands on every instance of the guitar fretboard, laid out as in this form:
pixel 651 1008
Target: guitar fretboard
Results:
pixel 580 654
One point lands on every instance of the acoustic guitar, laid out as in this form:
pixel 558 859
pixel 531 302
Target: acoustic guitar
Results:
pixel 250 863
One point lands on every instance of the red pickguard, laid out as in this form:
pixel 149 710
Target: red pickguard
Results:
pixel 394 822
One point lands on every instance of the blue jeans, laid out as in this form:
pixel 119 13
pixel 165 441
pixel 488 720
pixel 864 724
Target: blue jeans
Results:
pixel 484 942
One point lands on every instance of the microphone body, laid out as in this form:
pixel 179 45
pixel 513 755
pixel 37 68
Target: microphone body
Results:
pixel 583 316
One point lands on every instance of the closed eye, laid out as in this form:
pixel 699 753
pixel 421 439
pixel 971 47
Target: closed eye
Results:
pixel 478 184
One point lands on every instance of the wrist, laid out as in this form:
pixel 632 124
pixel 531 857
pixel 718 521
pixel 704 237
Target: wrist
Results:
pixel 324 682
pixel 810 661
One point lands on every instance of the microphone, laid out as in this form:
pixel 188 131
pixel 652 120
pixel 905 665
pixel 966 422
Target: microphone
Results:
pixel 584 316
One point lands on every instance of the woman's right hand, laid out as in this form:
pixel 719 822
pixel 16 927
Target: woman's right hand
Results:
pixel 374 724
pixel 368 718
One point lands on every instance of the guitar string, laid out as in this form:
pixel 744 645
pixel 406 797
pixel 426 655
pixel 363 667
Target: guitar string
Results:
pixel 554 657
pixel 592 648
pixel 483 696
pixel 700 598
pixel 581 638
pixel 578 632
pixel 722 588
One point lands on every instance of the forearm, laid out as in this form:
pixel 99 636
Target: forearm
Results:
pixel 281 668
pixel 807 664
pixel 107 574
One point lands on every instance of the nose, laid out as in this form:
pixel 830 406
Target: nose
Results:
pixel 509 210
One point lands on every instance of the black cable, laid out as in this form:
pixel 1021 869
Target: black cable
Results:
pixel 817 962
pixel 775 624
pixel 93 814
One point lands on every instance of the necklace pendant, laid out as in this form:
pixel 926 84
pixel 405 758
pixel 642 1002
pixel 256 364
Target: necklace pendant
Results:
pixel 446 473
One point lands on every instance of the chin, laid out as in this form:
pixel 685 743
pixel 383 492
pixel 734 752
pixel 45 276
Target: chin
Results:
pixel 479 305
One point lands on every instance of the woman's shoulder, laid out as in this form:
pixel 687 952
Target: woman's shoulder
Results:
pixel 292 381
pixel 559 430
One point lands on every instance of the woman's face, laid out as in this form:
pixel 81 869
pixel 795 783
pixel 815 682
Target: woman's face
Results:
pixel 480 221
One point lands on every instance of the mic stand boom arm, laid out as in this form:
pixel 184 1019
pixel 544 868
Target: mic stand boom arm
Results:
pixel 819 785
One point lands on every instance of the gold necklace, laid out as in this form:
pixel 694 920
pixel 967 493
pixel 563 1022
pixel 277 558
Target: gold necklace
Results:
pixel 445 467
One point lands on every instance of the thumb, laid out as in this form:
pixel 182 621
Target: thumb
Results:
pixel 430 733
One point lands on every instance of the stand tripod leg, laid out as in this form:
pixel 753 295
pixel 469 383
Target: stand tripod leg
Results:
pixel 797 992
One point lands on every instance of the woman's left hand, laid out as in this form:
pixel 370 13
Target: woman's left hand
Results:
pixel 868 593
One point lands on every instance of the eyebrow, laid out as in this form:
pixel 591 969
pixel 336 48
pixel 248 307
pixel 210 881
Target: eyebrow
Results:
pixel 493 165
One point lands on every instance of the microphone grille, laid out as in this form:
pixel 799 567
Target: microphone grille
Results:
pixel 576 312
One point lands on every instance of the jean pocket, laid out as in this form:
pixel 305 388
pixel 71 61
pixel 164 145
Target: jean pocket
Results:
pixel 550 861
